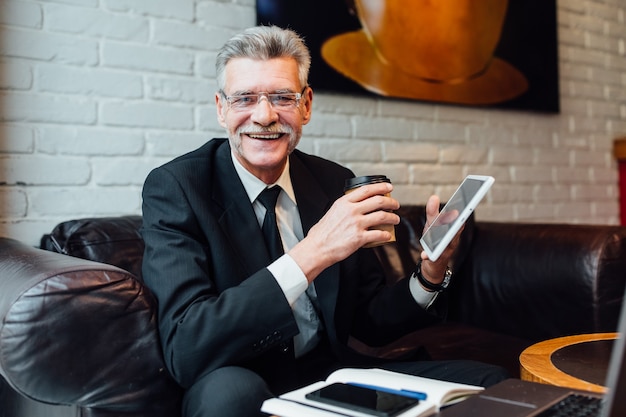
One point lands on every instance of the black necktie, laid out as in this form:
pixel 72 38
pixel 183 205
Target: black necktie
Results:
pixel 270 229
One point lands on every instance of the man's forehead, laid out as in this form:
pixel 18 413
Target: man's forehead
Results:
pixel 251 74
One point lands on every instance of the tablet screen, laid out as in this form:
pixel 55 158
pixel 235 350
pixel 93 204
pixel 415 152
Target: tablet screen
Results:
pixel 456 211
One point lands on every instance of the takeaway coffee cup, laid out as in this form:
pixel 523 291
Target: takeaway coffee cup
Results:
pixel 354 183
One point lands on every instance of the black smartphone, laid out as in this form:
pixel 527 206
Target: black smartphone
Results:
pixel 366 400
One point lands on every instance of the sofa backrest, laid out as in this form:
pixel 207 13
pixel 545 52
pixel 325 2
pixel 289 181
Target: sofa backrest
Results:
pixel 534 281
pixel 400 257
pixel 110 240
pixel 540 281
pixel 117 241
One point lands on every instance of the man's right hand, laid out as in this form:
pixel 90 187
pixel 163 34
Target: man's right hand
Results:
pixel 346 227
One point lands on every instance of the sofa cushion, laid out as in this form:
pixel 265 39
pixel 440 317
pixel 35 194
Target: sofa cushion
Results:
pixel 454 341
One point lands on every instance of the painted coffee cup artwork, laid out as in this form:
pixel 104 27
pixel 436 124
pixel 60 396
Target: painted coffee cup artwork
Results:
pixel 499 53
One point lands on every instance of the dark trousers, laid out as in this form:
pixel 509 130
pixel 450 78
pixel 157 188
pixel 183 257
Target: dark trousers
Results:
pixel 239 392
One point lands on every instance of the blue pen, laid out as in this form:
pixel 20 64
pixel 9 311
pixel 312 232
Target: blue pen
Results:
pixel 407 393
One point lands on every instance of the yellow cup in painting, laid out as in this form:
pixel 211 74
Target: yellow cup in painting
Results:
pixel 436 40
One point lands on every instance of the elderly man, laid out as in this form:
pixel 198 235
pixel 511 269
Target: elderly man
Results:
pixel 243 315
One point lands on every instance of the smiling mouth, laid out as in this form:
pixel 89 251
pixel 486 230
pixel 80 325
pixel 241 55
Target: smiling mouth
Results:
pixel 265 136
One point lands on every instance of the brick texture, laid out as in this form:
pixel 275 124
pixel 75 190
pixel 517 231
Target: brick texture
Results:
pixel 94 94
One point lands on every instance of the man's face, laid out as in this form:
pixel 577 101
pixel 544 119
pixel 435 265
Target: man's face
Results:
pixel 263 135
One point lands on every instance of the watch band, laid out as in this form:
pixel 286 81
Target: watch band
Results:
pixel 429 285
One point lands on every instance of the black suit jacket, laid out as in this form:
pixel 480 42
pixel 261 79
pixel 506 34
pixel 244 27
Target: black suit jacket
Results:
pixel 205 261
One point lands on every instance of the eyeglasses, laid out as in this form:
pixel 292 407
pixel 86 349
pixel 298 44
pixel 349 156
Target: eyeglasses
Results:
pixel 243 102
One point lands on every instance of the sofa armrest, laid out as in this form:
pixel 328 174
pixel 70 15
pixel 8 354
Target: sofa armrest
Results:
pixel 539 281
pixel 77 332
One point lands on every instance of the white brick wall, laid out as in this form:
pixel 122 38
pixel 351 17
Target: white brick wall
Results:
pixel 95 93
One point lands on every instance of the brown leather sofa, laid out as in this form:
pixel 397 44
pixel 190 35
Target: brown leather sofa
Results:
pixel 81 334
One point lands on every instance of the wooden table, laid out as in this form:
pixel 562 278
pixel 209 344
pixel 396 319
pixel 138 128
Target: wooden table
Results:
pixel 579 362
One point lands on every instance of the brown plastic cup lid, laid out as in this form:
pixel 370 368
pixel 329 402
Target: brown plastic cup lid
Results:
pixel 363 180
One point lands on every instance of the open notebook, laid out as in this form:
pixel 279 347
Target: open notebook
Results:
pixel 435 394
pixel 515 398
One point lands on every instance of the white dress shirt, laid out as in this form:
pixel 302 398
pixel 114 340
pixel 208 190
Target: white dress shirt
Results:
pixel 286 271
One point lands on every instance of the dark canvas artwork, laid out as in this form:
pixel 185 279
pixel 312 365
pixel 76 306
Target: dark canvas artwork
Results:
pixel 493 53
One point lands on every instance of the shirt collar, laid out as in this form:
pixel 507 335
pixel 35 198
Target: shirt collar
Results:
pixel 255 186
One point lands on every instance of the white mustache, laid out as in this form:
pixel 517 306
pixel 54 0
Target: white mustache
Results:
pixel 270 129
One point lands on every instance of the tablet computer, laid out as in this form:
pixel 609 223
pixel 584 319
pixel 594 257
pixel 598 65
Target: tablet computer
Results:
pixel 454 214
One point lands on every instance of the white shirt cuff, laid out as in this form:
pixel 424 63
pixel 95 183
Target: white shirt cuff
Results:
pixel 289 276
pixel 423 298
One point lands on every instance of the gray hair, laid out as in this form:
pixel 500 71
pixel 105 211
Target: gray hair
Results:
pixel 264 43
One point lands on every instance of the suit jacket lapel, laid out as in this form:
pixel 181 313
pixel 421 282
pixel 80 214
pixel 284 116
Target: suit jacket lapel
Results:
pixel 236 216
pixel 313 203
pixel 241 227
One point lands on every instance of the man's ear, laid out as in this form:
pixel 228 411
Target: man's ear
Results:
pixel 220 106
pixel 307 105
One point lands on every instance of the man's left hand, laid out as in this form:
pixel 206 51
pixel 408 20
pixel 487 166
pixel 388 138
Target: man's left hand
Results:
pixel 434 271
